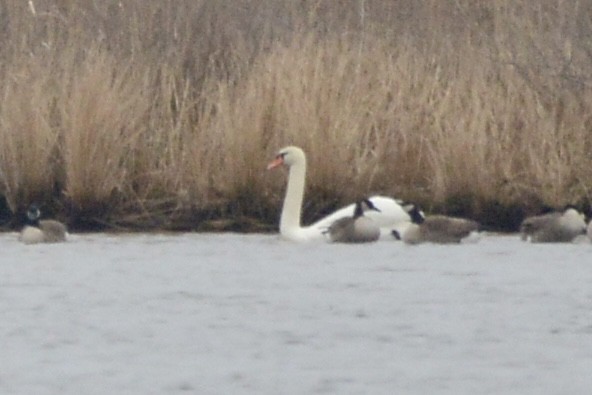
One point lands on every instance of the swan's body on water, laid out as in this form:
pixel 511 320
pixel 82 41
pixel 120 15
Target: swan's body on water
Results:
pixel 391 212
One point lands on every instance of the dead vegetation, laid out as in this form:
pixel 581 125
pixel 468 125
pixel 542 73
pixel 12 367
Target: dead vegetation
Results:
pixel 162 114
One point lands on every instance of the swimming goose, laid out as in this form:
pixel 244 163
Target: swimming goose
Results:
pixel 356 229
pixel 556 227
pixel 41 231
pixel 391 212
pixel 439 229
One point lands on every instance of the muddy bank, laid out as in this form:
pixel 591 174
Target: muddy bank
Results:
pixel 258 218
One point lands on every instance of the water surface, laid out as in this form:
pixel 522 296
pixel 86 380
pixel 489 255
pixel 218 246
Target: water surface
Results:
pixel 231 314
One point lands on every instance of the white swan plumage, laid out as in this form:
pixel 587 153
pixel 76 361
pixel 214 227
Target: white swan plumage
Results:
pixel 391 214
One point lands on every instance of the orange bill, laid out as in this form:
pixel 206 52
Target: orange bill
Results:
pixel 278 161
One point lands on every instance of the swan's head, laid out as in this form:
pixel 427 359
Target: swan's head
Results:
pixel 287 156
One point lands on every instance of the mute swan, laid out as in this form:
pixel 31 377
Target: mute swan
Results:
pixel 556 227
pixel 356 229
pixel 41 231
pixel 391 213
pixel 439 229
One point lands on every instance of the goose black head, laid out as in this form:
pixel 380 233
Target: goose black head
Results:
pixel 362 206
pixel 417 216
pixel 33 214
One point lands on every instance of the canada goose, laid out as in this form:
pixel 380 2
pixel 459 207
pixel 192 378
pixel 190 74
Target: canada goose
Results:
pixel 41 231
pixel 439 229
pixel 556 227
pixel 391 211
pixel 356 229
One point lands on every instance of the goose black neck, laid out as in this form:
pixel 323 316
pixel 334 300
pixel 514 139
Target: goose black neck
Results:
pixel 416 216
pixel 31 222
pixel 359 211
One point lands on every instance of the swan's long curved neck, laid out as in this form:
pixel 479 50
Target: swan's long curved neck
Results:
pixel 290 219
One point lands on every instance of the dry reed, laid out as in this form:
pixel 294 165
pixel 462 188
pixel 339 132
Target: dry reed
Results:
pixel 162 114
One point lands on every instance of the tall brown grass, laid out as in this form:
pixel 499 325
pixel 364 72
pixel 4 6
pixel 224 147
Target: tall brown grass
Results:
pixel 163 114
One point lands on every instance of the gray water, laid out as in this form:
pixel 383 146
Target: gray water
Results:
pixel 233 314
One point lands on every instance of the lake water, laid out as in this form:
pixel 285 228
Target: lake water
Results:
pixel 251 314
